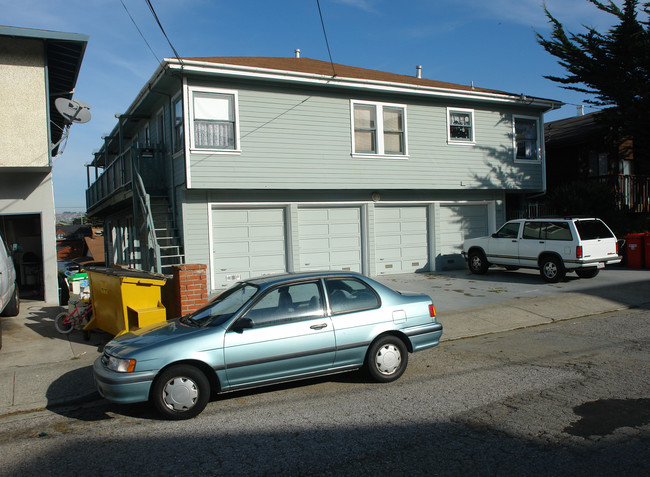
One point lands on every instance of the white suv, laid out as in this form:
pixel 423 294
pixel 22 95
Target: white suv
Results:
pixel 9 300
pixel 554 246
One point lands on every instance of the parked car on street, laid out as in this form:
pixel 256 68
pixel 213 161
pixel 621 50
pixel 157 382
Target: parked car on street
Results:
pixel 264 331
pixel 9 299
pixel 554 246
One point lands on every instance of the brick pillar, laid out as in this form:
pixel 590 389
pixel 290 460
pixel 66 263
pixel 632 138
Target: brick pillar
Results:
pixel 190 287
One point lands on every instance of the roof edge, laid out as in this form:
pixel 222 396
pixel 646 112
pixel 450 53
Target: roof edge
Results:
pixel 42 34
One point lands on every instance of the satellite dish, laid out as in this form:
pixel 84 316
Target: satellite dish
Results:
pixel 73 110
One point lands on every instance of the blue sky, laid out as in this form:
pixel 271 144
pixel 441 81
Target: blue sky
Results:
pixel 491 43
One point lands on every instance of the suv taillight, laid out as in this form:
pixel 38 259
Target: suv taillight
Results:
pixel 579 251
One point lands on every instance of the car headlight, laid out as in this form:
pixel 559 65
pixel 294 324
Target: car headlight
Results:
pixel 121 365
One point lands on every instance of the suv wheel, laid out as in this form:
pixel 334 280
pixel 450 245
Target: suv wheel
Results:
pixel 477 262
pixel 552 269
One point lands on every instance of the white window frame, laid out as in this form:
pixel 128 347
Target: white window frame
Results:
pixel 379 111
pixel 207 150
pixel 452 140
pixel 178 141
pixel 538 146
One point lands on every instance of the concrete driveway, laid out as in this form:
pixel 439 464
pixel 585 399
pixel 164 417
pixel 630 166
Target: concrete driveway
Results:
pixel 459 289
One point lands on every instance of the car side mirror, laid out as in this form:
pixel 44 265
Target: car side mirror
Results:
pixel 243 324
pixel 494 235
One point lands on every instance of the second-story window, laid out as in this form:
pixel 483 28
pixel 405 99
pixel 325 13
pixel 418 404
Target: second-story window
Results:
pixel 214 120
pixel 378 128
pixel 177 140
pixel 461 126
pixel 525 137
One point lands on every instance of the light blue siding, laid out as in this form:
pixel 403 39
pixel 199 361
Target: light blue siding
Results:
pixel 296 141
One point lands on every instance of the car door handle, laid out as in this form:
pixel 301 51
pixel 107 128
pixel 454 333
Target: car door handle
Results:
pixel 319 326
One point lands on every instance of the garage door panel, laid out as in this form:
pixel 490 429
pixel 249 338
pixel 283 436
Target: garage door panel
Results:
pixel 345 242
pixel 350 214
pixel 314 244
pixel 247 243
pixel 234 216
pixel 343 229
pixel 234 263
pixel 232 232
pixel 329 238
pixel 268 247
pixel 232 248
pixel 401 239
pixel 458 223
pixel 316 230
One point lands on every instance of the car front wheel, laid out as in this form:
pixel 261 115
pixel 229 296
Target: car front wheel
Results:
pixel 552 269
pixel 477 263
pixel 387 359
pixel 180 392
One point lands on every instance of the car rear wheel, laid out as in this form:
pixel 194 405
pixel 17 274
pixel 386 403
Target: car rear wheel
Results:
pixel 387 359
pixel 552 269
pixel 477 262
pixel 180 392
pixel 587 272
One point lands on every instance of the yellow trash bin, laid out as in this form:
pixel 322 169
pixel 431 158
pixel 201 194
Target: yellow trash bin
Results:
pixel 124 299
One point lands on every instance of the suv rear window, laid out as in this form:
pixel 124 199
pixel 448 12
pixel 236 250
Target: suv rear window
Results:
pixel 592 230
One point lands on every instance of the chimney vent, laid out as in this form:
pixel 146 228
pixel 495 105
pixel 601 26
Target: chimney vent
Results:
pixel 419 71
pixel 297 52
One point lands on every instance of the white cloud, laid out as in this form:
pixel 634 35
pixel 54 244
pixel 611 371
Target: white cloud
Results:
pixel 365 5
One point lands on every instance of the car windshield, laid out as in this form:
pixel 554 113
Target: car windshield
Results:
pixel 223 307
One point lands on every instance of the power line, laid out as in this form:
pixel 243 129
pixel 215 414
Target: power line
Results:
pixel 139 31
pixel 153 12
pixel 325 34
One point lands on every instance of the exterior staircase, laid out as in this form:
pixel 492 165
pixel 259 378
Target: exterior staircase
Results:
pixel 171 250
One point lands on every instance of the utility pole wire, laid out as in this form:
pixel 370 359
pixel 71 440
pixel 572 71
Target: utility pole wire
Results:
pixel 325 34
pixel 153 12
pixel 139 31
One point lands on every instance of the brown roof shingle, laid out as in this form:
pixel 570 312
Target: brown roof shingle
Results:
pixel 318 67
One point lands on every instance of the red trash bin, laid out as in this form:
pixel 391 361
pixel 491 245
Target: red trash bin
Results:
pixel 634 244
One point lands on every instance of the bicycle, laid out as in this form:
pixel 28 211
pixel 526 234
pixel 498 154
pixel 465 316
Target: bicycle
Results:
pixel 75 319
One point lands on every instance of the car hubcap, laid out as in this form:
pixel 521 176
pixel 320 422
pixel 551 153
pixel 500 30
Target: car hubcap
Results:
pixel 180 394
pixel 388 359
pixel 550 270
pixel 476 263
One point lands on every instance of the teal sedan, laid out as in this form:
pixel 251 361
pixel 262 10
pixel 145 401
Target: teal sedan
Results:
pixel 264 331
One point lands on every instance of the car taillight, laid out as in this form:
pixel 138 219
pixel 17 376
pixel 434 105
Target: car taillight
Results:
pixel 579 251
pixel 432 311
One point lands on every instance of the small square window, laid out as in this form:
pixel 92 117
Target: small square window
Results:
pixel 461 125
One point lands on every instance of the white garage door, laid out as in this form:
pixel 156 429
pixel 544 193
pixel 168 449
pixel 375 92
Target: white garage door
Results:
pixel 401 239
pixel 457 223
pixel 247 243
pixel 329 238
